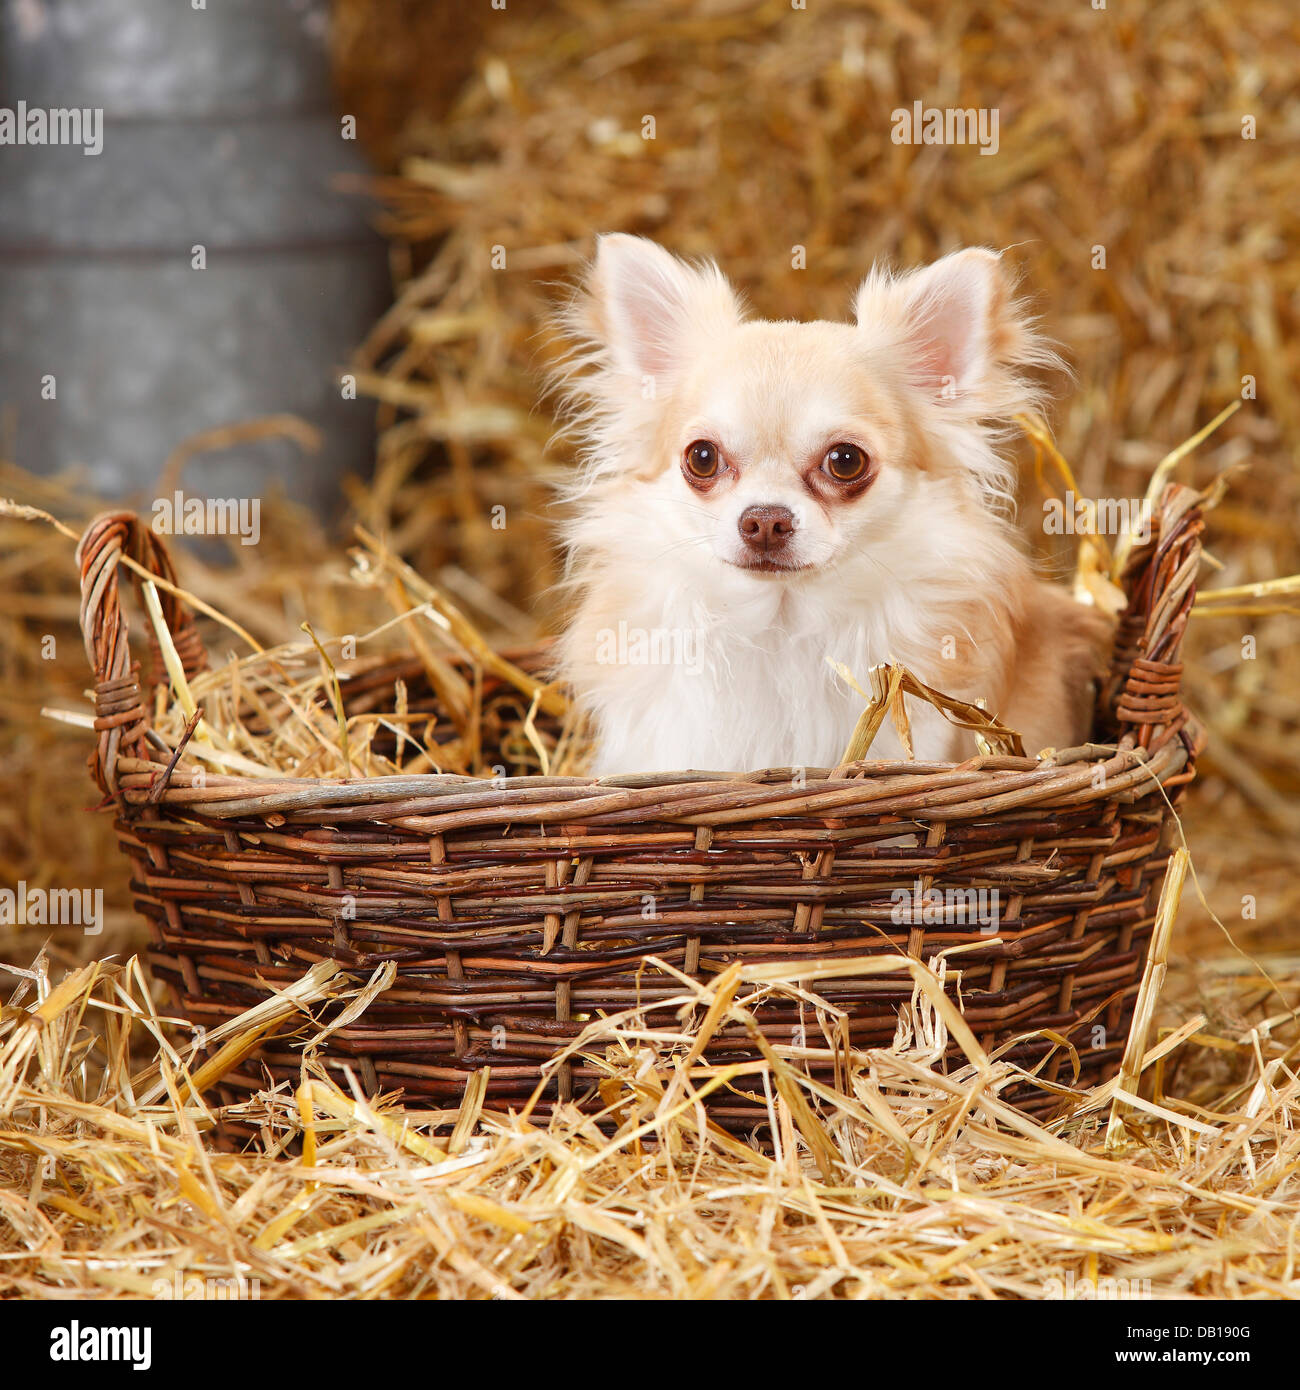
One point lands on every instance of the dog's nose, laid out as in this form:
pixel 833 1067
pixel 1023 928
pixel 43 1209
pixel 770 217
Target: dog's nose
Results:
pixel 766 528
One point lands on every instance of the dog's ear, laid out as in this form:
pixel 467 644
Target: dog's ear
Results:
pixel 958 323
pixel 649 309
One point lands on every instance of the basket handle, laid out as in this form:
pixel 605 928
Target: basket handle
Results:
pixel 121 711
pixel 1144 694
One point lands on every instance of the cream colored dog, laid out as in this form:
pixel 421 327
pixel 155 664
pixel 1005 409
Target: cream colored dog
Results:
pixel 759 499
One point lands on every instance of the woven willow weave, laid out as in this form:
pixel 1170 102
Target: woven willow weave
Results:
pixel 516 911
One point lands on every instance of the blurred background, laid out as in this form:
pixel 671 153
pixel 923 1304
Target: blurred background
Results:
pixel 203 267
pixel 368 337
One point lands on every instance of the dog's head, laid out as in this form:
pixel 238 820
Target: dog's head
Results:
pixel 776 449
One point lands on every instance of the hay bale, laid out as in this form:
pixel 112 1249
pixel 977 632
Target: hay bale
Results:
pixel 772 130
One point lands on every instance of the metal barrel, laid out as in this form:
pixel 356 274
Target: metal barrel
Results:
pixel 202 267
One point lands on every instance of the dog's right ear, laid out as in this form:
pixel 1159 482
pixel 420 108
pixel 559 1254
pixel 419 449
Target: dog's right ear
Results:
pixel 650 310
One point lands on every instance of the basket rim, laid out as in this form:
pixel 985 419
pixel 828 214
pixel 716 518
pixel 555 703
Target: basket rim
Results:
pixel 889 790
pixel 791 779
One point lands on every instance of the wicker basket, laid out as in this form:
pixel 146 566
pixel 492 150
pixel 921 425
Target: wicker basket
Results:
pixel 512 911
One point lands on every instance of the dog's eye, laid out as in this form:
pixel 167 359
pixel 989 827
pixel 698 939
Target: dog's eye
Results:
pixel 846 463
pixel 702 459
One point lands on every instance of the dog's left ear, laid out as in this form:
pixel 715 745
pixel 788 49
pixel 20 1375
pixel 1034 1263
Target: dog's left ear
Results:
pixel 956 321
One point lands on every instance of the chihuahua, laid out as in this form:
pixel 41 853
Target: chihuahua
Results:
pixel 760 502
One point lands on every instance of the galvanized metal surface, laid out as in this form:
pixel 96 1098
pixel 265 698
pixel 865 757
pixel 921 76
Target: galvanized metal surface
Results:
pixel 218 133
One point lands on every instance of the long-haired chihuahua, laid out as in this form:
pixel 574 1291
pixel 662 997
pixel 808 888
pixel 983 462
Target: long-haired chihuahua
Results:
pixel 758 500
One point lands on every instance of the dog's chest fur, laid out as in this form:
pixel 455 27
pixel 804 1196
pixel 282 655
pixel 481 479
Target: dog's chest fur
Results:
pixel 752 686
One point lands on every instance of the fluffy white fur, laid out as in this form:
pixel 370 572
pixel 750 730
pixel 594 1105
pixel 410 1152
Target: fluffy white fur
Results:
pixel 923 567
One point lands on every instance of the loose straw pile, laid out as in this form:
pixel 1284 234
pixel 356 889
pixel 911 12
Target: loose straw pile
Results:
pixel 901 1182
